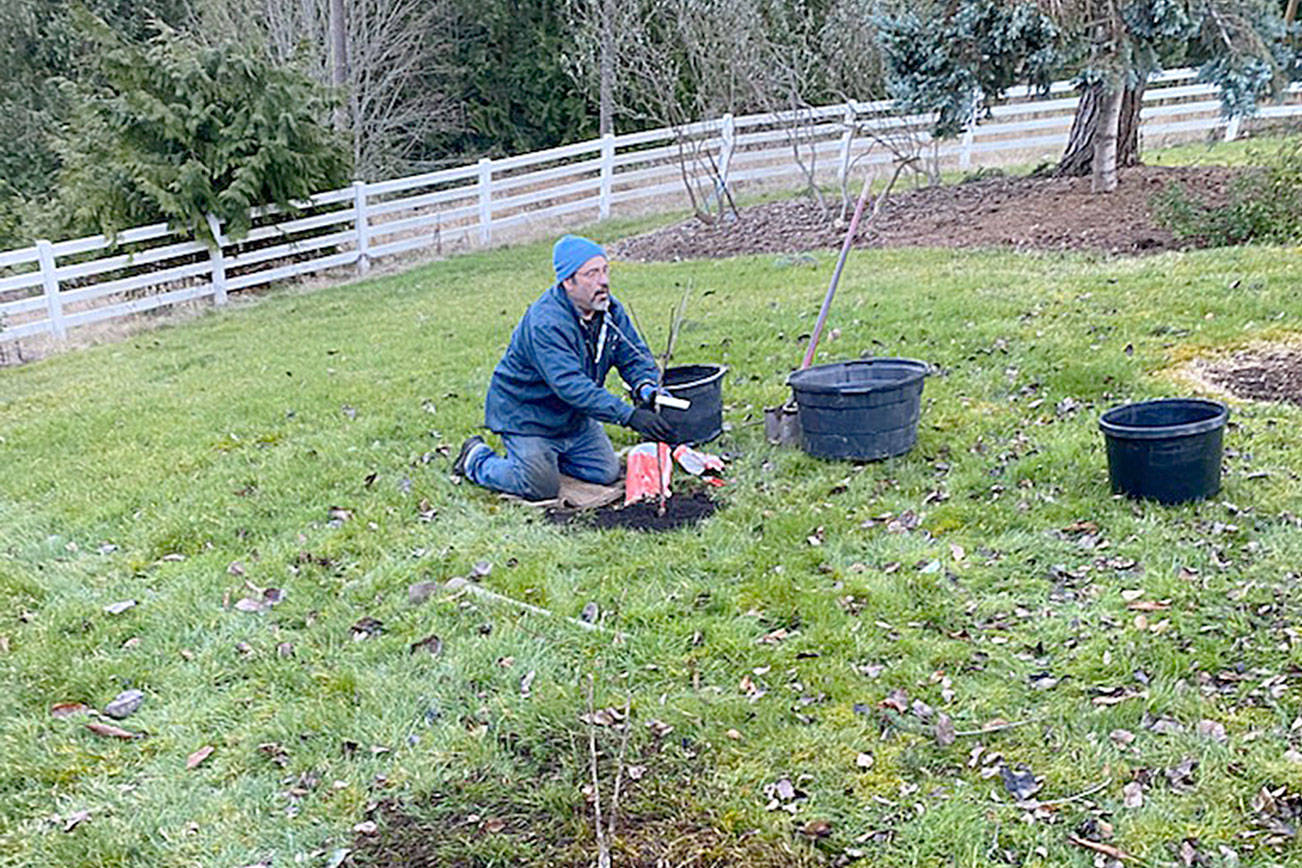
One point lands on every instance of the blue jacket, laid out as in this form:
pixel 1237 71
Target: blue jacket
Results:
pixel 548 382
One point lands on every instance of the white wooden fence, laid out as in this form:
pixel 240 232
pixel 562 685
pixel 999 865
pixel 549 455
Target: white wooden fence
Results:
pixel 50 288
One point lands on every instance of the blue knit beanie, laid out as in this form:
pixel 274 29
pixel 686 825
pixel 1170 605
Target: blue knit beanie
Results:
pixel 571 252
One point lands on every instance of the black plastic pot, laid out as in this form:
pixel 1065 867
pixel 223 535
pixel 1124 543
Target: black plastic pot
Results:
pixel 1168 450
pixel 861 410
pixel 703 386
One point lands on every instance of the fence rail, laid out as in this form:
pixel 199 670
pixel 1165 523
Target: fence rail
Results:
pixel 51 287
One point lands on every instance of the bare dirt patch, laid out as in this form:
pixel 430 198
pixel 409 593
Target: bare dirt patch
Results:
pixel 1268 372
pixel 1024 213
pixel 681 510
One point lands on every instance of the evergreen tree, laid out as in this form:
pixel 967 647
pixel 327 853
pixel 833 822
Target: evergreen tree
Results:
pixel 944 57
pixel 173 130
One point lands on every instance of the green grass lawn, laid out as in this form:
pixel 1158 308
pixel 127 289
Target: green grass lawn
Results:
pixel 301 443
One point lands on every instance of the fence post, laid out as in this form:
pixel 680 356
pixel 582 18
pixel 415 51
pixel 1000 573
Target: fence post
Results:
pixel 485 200
pixel 849 118
pixel 45 250
pixel 969 132
pixel 1232 128
pixel 363 228
pixel 727 141
pixel 607 175
pixel 218 261
pixel 965 155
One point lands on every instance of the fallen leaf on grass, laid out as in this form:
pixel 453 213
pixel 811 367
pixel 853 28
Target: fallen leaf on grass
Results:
pixel 276 752
pixel 198 756
pixel 119 607
pixel 68 709
pixel 1121 737
pixel 733 734
pixel 774 637
pixel 603 717
pixel 481 570
pixel 431 643
pixel 1115 696
pixel 75 819
pixel 1097 847
pixel 659 728
pixel 897 700
pixel 366 827
pixel 1021 785
pixel 111 731
pixel 944 730
pixel 782 794
pixel 816 829
pixel 125 704
pixel 1132 795
pixel 1149 605
pixel 526 683
pixel 1180 776
pixel 864 760
pixel 366 627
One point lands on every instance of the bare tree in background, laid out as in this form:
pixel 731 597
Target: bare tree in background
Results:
pixel 670 63
pixel 388 56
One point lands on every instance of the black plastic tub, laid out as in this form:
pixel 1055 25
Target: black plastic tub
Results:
pixel 861 410
pixel 703 386
pixel 1168 450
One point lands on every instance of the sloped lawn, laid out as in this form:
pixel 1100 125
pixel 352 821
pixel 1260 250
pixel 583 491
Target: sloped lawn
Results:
pixel 871 660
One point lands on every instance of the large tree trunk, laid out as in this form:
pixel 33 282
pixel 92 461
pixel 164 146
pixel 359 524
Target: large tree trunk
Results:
pixel 1078 158
pixel 1104 171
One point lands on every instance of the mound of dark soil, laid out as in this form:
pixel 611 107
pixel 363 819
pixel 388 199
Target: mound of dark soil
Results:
pixel 1273 374
pixel 1025 213
pixel 680 510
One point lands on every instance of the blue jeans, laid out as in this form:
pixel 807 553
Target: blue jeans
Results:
pixel 533 466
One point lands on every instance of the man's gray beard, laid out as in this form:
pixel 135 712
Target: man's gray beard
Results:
pixel 602 305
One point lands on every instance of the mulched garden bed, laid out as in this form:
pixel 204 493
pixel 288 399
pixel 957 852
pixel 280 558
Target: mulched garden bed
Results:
pixel 680 510
pixel 1025 213
pixel 1261 374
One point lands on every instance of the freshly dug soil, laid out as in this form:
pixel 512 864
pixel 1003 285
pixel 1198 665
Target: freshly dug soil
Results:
pixel 1266 374
pixel 1025 213
pixel 680 510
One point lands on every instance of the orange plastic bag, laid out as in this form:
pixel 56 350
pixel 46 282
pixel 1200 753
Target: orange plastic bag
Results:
pixel 650 466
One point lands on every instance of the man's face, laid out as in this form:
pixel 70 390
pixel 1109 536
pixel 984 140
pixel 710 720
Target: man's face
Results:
pixel 589 287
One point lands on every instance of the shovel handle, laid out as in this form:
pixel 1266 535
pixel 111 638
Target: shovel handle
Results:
pixel 836 275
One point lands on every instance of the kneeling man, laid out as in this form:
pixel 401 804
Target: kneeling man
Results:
pixel 547 399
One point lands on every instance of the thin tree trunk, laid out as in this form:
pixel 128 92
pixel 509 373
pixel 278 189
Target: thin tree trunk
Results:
pixel 1104 177
pixel 606 120
pixel 1078 157
pixel 339 58
pixel 1290 13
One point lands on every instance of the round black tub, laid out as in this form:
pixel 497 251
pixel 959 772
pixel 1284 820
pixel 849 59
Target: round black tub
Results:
pixel 703 386
pixel 860 410
pixel 1168 450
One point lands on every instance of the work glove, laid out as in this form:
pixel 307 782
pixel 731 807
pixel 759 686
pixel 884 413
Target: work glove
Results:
pixel 651 426
pixel 646 395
